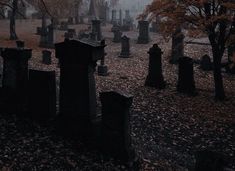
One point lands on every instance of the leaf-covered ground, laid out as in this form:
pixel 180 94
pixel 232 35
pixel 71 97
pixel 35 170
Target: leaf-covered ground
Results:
pixel 167 127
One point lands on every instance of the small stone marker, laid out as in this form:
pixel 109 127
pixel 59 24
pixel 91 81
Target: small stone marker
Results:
pixel 125 47
pixel 206 63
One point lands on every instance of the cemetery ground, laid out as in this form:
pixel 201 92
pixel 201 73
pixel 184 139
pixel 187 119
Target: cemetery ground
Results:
pixel 167 127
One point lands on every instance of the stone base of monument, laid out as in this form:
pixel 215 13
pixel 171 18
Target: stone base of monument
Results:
pixel 47 45
pixel 103 70
pixel 124 55
pixel 42 95
pixel 143 40
pixel 155 82
pixel 186 83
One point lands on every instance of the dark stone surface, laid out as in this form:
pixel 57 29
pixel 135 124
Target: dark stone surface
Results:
pixel 209 161
pixel 39 30
pixel 125 47
pixel 15 78
pixel 19 44
pixel 116 129
pixel 77 60
pixel 143 32
pixel 206 63
pixel 177 46
pixel 186 83
pixel 114 16
pixel 96 29
pixel 155 76
pixel 42 95
pixel 46 57
pixel 117 36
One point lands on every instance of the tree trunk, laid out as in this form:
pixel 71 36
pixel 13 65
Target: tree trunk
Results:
pixel 13 35
pixel 218 80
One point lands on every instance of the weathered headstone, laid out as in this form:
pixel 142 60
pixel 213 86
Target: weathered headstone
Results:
pixel 155 76
pixel 46 57
pixel 117 36
pixel 125 47
pixel 114 16
pixel 42 95
pixel 116 131
pixel 102 68
pixel 77 60
pixel 96 29
pixel 206 63
pixel 143 32
pixel 209 161
pixel 154 27
pixel 186 83
pixel 15 78
pixel 177 46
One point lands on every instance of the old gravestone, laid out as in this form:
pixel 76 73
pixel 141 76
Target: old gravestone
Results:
pixel 46 57
pixel 177 46
pixel 39 30
pixel 117 35
pixel 143 32
pixel 15 79
pixel 155 76
pixel 77 85
pixel 127 22
pixel 116 131
pixel 102 68
pixel 186 83
pixel 47 37
pixel 42 95
pixel 205 63
pixel 114 16
pixel 96 29
pixel 125 47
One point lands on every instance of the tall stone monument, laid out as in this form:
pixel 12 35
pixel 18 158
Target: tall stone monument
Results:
pixel 77 60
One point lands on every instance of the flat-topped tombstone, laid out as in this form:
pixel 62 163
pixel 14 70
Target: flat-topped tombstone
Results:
pixel 125 47
pixel 47 40
pixel 77 60
pixel 116 131
pixel 186 83
pixel 15 77
pixel 155 76
pixel 42 95
pixel 143 32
